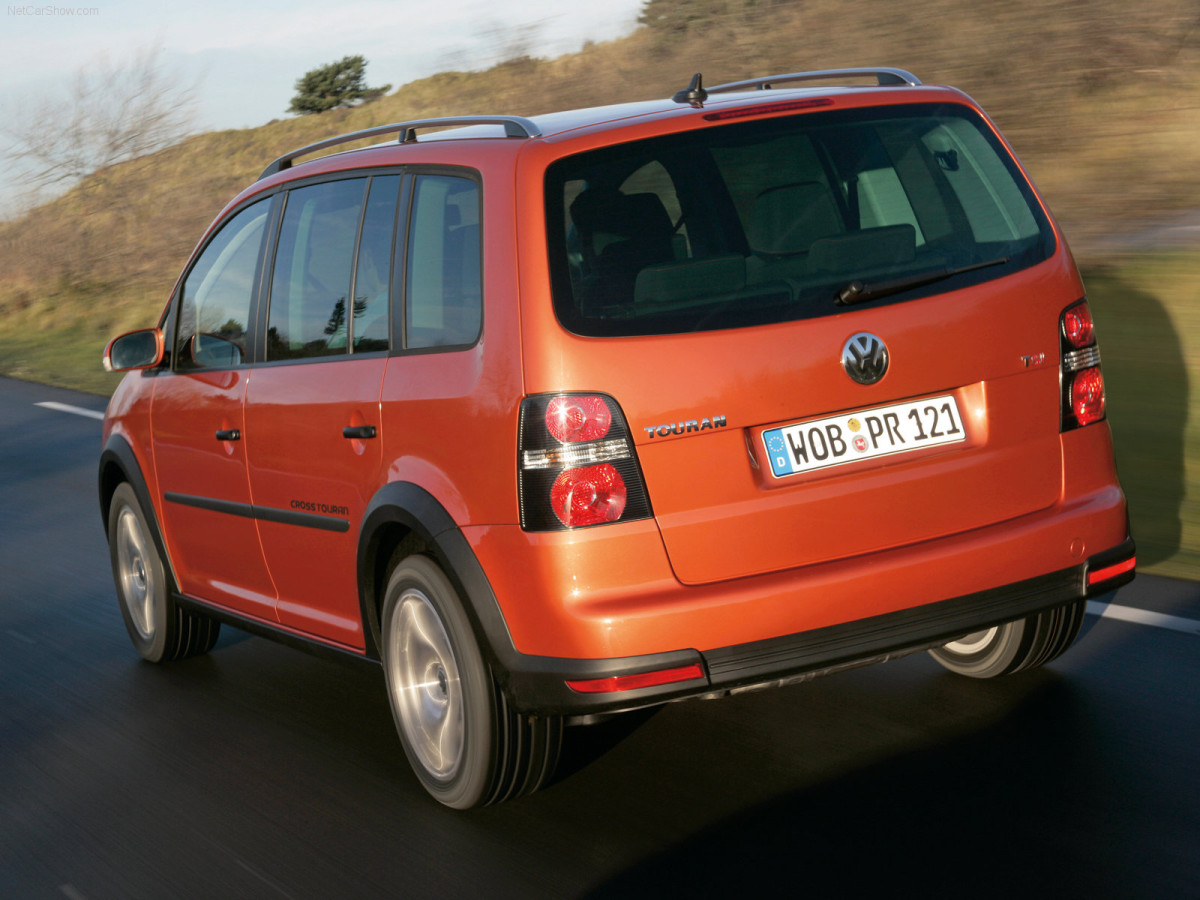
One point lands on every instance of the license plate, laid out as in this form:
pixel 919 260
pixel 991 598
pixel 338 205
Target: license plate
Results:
pixel 864 434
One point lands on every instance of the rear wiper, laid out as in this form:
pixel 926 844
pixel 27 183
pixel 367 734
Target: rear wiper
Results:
pixel 858 292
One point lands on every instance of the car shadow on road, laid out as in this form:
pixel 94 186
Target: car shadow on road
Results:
pixel 993 814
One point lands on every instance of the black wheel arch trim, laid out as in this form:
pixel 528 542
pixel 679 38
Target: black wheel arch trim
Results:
pixel 531 683
pixel 415 509
pixel 118 463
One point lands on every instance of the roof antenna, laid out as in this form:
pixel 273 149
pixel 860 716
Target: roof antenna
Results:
pixel 694 93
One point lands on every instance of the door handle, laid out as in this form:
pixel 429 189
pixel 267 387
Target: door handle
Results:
pixel 229 434
pixel 358 432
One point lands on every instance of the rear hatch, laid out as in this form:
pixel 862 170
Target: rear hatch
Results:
pixel 856 476
pixel 831 334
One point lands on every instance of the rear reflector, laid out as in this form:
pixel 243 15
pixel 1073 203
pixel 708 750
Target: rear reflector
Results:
pixel 1098 575
pixel 633 682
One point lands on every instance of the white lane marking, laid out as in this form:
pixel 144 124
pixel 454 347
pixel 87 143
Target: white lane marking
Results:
pixel 1143 617
pixel 73 410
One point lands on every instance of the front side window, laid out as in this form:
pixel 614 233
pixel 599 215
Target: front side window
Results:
pixel 443 287
pixel 771 220
pixel 214 311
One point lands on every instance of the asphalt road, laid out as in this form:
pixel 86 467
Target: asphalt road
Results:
pixel 262 772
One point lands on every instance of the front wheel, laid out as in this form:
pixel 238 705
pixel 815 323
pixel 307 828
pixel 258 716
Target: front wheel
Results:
pixel 160 629
pixel 465 744
pixel 1014 646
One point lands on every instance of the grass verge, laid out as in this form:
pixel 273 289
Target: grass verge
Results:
pixel 69 357
pixel 1148 324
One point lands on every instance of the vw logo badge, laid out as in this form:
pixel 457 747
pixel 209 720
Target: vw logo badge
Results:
pixel 865 358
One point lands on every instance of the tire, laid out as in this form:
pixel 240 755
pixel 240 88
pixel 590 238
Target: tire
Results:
pixel 1014 646
pixel 463 741
pixel 160 629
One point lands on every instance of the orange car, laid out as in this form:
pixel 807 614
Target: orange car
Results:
pixel 560 417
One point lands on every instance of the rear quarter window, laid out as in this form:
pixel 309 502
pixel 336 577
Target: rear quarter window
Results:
pixel 443 285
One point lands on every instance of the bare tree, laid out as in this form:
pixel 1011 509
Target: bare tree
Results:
pixel 113 112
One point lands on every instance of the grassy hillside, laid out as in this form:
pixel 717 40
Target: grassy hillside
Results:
pixel 1101 99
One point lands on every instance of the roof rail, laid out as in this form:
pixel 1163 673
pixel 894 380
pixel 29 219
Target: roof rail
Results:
pixel 514 127
pixel 883 76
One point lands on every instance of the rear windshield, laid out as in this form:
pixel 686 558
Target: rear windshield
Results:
pixel 775 220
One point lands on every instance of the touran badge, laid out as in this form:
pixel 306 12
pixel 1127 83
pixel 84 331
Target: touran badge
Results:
pixel 865 358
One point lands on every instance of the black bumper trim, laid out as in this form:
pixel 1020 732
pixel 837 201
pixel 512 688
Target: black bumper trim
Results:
pixel 907 629
pixel 539 686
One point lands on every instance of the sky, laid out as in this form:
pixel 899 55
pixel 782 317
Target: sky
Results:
pixel 245 58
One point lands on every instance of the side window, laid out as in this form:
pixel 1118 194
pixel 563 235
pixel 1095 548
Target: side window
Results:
pixel 310 282
pixel 373 270
pixel 215 309
pixel 443 286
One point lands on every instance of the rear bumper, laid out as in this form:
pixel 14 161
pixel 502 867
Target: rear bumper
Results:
pixel 538 684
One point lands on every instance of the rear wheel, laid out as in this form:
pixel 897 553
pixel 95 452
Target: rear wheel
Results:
pixel 160 629
pixel 1014 646
pixel 465 744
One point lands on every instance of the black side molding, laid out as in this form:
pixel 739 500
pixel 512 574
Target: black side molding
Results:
pixel 263 513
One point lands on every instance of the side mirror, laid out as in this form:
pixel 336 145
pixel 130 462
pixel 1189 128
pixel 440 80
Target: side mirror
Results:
pixel 142 349
pixel 212 351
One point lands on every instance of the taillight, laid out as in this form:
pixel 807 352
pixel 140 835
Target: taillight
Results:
pixel 1082 381
pixel 576 464
pixel 588 496
pixel 1087 396
pixel 1077 327
pixel 573 419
